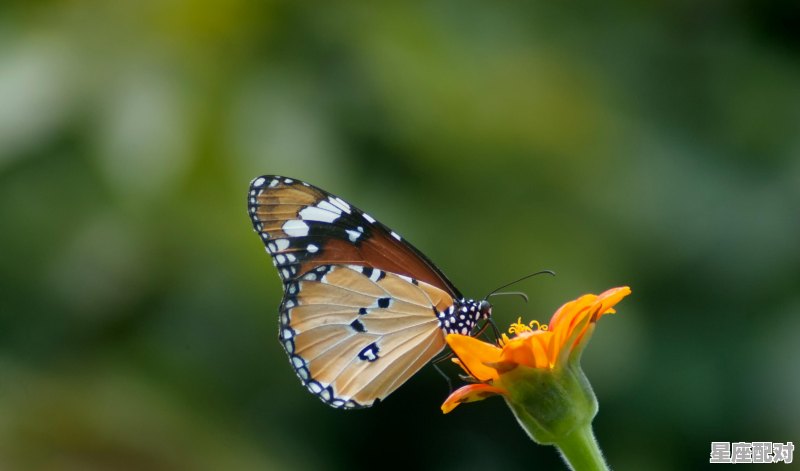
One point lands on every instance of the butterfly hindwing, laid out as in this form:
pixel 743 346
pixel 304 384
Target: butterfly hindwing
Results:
pixel 354 334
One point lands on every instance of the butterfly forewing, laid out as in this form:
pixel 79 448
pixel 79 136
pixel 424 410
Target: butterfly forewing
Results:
pixel 304 227
pixel 354 336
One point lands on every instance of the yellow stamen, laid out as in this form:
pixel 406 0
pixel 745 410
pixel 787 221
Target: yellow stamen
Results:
pixel 538 325
pixel 518 327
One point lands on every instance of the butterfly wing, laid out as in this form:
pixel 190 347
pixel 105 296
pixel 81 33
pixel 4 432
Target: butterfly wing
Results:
pixel 360 307
pixel 304 227
pixel 355 334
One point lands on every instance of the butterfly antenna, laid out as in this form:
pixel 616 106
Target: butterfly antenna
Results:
pixel 495 291
pixel 516 293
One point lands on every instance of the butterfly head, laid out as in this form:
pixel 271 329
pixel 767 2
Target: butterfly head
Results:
pixel 484 309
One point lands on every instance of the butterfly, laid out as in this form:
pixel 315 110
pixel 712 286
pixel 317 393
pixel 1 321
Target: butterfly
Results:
pixel 362 309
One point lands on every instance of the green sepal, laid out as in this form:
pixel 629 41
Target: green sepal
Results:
pixel 550 403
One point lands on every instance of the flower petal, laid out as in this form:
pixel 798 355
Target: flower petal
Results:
pixel 564 318
pixel 578 337
pixel 474 354
pixel 529 349
pixel 569 323
pixel 470 393
pixel 608 299
pixel 571 316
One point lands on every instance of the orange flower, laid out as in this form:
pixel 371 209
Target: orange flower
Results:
pixel 545 349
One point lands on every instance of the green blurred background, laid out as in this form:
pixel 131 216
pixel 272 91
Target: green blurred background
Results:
pixel 617 143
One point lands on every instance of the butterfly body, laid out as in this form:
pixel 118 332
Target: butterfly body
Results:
pixel 363 310
pixel 463 316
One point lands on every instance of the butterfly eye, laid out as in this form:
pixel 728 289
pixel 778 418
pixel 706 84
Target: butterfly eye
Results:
pixel 485 309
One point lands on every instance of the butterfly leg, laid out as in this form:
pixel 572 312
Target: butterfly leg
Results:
pixel 494 329
pixel 482 330
pixel 435 364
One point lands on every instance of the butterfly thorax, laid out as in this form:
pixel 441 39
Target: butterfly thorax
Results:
pixel 463 316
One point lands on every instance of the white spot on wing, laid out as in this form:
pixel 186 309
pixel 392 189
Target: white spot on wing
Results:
pixel 375 275
pixel 288 181
pixel 353 235
pixel 369 218
pixel 280 258
pixel 407 279
pixel 340 203
pixel 395 235
pixel 274 183
pixel 295 228
pixel 370 355
pixel 313 213
pixel 327 206
pixel 312 248
pixel 258 181
pixel 282 244
pixel 290 257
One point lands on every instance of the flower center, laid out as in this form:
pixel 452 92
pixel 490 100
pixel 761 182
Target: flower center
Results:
pixel 518 327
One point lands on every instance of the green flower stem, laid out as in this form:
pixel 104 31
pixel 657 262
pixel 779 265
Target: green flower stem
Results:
pixel 579 449
pixel 556 407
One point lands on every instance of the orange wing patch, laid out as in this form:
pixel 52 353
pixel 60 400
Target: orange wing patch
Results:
pixel 280 204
